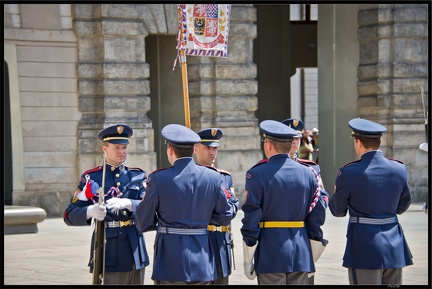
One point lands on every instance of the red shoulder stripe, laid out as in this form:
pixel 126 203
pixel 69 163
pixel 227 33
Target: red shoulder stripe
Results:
pixel 350 163
pixel 307 161
pixel 263 161
pixel 209 167
pixel 96 169
pixel 399 161
pixel 223 171
pixel 161 169
pixel 134 169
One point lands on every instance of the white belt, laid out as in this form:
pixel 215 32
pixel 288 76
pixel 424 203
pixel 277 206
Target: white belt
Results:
pixel 180 231
pixel 372 221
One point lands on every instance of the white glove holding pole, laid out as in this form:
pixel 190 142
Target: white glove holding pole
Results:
pixel 248 256
pixel 96 211
pixel 116 204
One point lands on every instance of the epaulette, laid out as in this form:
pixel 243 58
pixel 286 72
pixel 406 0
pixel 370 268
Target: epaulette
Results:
pixel 223 172
pixel 96 169
pixel 399 161
pixel 307 162
pixel 209 167
pixel 350 163
pixel 161 169
pixel 263 161
pixel 134 169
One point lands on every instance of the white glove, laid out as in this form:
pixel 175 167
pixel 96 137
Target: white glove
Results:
pixel 96 211
pixel 248 265
pixel 116 204
pixel 249 270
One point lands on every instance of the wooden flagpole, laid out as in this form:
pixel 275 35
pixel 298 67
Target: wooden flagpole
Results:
pixel 185 88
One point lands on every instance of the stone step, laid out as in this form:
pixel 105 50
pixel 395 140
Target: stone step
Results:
pixel 22 219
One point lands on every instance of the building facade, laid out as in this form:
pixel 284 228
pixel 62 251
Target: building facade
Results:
pixel 73 69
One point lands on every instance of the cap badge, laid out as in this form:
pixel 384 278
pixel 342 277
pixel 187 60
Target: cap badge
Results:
pixel 120 129
pixel 213 131
pixel 295 122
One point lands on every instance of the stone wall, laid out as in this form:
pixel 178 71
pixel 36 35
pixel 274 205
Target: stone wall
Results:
pixel 113 78
pixel 393 68
pixel 46 61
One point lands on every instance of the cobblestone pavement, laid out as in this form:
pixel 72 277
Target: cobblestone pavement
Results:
pixel 58 254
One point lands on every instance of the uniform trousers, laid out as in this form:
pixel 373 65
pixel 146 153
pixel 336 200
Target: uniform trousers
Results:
pixel 375 276
pixel 292 278
pixel 163 282
pixel 135 277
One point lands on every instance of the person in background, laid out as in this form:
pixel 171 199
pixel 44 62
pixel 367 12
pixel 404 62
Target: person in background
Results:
pixel 283 210
pixel 315 144
pixel 424 147
pixel 179 203
pixel 220 236
pixel 298 125
pixel 305 150
pixel 125 251
pixel 374 190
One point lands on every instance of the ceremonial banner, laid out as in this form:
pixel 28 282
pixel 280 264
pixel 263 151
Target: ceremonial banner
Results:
pixel 203 29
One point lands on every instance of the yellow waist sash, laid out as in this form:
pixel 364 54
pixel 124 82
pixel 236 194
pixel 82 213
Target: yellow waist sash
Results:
pixel 281 224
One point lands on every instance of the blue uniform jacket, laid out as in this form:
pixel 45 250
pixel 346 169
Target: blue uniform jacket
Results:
pixel 187 196
pixel 282 189
pixel 125 246
pixel 221 242
pixel 373 187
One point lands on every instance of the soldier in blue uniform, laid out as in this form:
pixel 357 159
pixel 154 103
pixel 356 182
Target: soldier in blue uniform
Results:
pixel 374 190
pixel 283 210
pixel 298 125
pixel 125 252
pixel 220 236
pixel 179 202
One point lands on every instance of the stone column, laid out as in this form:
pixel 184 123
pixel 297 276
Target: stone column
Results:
pixel 222 94
pixel 113 81
pixel 393 67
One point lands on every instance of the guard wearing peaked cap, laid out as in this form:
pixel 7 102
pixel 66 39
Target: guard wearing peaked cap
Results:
pixel 283 207
pixel 222 243
pixel 365 128
pixel 117 134
pixel 125 250
pixel 210 136
pixel 180 136
pixel 373 190
pixel 180 202
pixel 294 123
pixel 277 131
pixel 299 126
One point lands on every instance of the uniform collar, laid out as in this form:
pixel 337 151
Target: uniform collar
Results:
pixel 278 156
pixel 371 154
pixel 112 168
